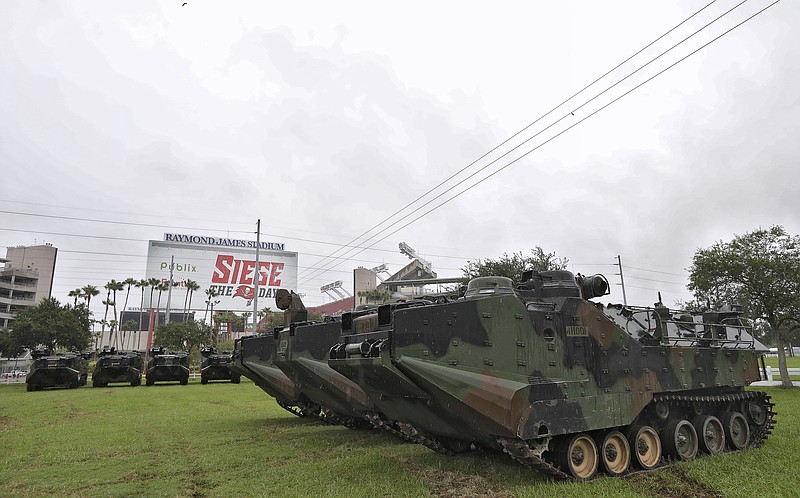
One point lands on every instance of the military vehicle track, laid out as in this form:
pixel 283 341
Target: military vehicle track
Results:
pixel 761 426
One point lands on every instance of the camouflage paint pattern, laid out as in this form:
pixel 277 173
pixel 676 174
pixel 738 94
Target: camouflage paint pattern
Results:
pixel 253 357
pixel 61 370
pixel 302 355
pixel 215 365
pixel 533 363
pixel 118 366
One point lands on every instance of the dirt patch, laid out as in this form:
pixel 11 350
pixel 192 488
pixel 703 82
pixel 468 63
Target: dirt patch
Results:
pixel 446 484
pixel 671 482
pixel 6 422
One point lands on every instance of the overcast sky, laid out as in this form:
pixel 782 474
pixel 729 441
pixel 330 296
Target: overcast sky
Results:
pixel 325 118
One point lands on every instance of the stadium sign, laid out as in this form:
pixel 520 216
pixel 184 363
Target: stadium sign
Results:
pixel 226 266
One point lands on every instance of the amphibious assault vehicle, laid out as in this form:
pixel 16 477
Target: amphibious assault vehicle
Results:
pixel 302 355
pixel 118 366
pixel 216 366
pixel 56 370
pixel 164 366
pixel 563 385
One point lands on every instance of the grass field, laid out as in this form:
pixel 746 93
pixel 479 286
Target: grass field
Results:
pixel 234 440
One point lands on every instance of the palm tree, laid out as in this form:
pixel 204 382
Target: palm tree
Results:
pixel 191 286
pixel 77 293
pixel 112 286
pixel 127 282
pixel 161 287
pixel 141 284
pixel 88 292
pixel 107 302
pixel 154 283
pixel 211 294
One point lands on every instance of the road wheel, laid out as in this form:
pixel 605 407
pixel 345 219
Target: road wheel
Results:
pixel 236 379
pixel 615 453
pixel 184 381
pixel 204 381
pixel 645 446
pixel 578 456
pixel 737 432
pixel 710 434
pixel 149 382
pixel 757 412
pixel 680 439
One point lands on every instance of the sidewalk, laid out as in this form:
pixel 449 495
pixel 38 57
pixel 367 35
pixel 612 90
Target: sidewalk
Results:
pixel 773 383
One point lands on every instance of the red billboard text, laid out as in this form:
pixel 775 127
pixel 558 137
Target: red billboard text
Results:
pixel 229 270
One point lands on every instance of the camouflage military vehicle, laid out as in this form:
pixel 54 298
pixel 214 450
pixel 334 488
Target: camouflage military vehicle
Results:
pixel 215 366
pixel 164 366
pixel 564 385
pixel 302 354
pixel 401 407
pixel 118 366
pixel 56 370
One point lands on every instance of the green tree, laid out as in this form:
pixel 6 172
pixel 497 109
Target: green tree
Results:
pixel 142 284
pixel 374 296
pixel 513 266
pixel 77 294
pixel 10 347
pixel 127 283
pixel 161 288
pixel 89 291
pixel 50 324
pixel 191 286
pixel 183 335
pixel 211 294
pixel 759 269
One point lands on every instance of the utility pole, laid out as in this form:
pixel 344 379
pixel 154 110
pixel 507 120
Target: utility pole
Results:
pixel 169 288
pixel 622 280
pixel 256 276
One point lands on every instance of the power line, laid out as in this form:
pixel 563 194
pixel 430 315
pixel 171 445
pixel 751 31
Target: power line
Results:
pixel 339 258
pixel 549 126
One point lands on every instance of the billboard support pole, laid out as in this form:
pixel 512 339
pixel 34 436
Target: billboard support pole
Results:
pixel 169 288
pixel 256 277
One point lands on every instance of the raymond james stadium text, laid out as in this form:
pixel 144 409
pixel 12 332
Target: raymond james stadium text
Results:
pixel 219 241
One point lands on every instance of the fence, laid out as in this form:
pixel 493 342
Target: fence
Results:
pixel 774 372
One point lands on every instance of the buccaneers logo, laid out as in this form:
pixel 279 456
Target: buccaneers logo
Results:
pixel 245 291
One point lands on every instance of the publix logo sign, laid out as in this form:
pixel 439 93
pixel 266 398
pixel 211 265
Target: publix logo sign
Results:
pixel 179 267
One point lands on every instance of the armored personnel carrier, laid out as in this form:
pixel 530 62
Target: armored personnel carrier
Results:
pixel 164 366
pixel 564 385
pixel 56 370
pixel 303 356
pixel 118 366
pixel 215 366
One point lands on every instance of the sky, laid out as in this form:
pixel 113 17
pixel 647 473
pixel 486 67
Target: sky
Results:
pixel 332 121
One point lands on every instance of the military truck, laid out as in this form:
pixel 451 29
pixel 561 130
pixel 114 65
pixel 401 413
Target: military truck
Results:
pixel 564 385
pixel 56 370
pixel 118 366
pixel 164 366
pixel 216 366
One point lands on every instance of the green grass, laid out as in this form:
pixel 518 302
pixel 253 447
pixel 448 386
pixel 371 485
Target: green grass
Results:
pixel 233 440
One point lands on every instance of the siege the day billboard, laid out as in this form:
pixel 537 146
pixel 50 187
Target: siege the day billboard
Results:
pixel 225 265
